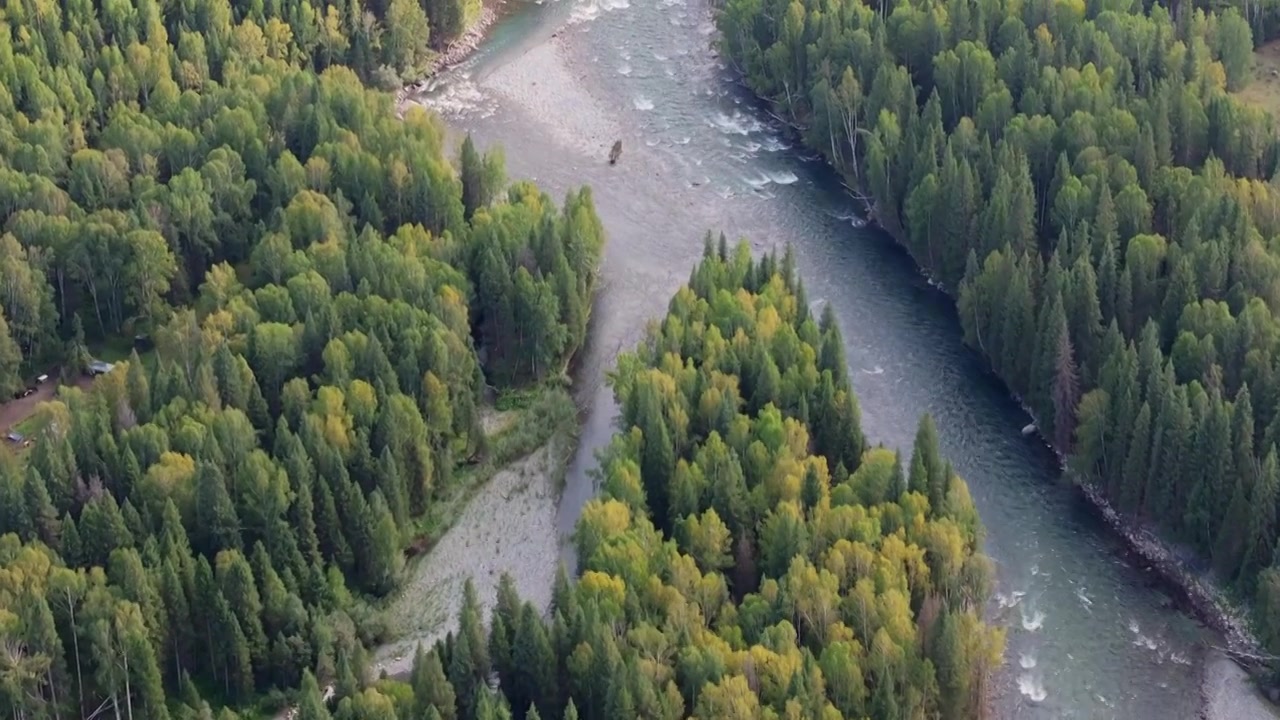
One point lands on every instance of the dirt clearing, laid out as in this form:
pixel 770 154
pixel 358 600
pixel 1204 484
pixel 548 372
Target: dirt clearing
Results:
pixel 1264 91
pixel 15 411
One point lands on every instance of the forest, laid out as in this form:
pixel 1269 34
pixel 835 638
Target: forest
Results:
pixel 326 300
pixel 1082 180
pixel 749 556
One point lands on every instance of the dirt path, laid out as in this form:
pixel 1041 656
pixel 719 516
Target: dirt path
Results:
pixel 15 411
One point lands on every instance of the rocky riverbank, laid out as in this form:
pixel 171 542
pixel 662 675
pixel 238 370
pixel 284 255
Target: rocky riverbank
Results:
pixel 457 51
pixel 1201 598
pixel 1227 689
pixel 509 526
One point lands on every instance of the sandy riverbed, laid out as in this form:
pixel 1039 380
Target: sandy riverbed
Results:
pixel 508 526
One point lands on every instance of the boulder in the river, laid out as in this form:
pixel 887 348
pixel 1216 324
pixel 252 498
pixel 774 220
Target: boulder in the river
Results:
pixel 1029 429
pixel 616 152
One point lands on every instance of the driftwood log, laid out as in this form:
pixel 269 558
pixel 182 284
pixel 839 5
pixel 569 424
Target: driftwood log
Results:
pixel 615 153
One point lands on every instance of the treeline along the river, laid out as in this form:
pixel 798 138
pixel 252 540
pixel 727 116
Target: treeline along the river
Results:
pixel 1082 180
pixel 749 556
pixel 211 520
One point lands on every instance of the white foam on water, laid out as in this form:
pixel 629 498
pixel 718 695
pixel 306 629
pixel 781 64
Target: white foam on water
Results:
pixel 783 178
pixel 1133 626
pixel 1032 688
pixel 751 147
pixel 775 144
pixel 642 103
pixel 1027 661
pixel 736 124
pixel 877 370
pixel 1145 642
pixel 1035 569
pixel 589 10
pixel 1033 622
pixel 1178 658
pixel 460 98
pixel 624 69
pixel 684 140
pixel 584 12
pixel 1084 599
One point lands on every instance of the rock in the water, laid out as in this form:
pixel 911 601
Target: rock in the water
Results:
pixel 616 152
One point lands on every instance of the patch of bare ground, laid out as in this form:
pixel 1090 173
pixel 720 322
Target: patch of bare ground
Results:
pixel 1229 694
pixel 1264 91
pixel 509 526
pixel 494 422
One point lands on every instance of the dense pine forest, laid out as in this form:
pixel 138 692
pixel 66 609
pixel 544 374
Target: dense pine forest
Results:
pixel 327 297
pixel 749 557
pixel 1080 177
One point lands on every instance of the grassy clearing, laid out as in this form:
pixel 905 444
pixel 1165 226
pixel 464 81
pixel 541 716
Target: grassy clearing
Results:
pixel 27 426
pixel 1264 91
pixel 118 348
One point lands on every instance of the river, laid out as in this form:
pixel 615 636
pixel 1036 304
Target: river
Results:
pixel 557 82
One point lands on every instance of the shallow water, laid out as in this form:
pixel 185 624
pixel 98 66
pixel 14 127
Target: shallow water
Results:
pixel 1088 638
